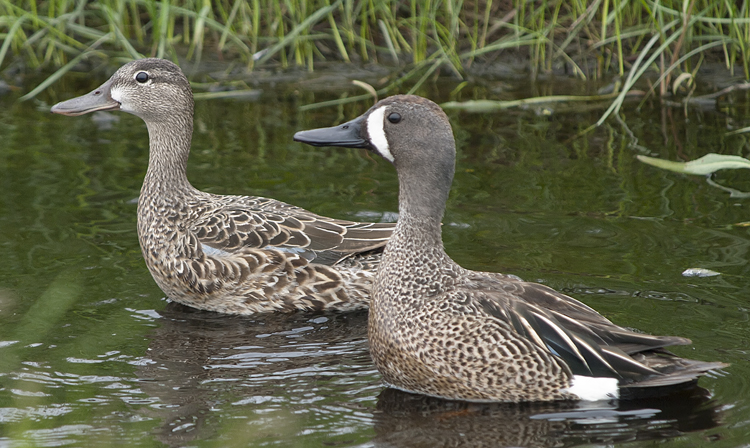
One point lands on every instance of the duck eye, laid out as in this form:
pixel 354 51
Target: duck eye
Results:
pixel 394 118
pixel 141 77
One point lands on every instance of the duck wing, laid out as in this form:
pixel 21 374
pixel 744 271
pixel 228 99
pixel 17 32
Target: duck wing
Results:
pixel 586 341
pixel 258 223
pixel 583 355
pixel 574 315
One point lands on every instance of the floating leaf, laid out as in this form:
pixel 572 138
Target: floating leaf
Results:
pixel 739 131
pixel 699 272
pixel 705 165
pixel 245 94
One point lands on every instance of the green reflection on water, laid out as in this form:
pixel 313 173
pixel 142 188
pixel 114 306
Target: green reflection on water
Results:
pixel 92 360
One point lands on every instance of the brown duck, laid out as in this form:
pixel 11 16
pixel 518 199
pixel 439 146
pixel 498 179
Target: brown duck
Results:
pixel 230 254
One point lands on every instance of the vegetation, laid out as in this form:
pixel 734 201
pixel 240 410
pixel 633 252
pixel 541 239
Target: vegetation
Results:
pixel 587 38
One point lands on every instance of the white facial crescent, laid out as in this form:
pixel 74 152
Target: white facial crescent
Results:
pixel 377 134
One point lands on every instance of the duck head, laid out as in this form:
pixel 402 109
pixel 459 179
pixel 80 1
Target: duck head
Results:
pixel 411 132
pixel 153 89
pixel 399 128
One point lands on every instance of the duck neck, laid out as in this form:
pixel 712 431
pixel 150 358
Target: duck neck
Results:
pixel 169 141
pixel 421 208
pixel 414 259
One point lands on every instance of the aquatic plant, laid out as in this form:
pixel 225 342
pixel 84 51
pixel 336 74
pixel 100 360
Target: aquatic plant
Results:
pixel 587 38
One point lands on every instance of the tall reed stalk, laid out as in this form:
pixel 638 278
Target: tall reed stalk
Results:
pixel 589 38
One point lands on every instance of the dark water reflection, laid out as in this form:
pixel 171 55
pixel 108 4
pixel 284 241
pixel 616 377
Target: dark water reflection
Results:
pixel 410 420
pixel 91 354
pixel 279 375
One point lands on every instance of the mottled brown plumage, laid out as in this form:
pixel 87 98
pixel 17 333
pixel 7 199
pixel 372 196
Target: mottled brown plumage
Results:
pixel 438 329
pixel 231 254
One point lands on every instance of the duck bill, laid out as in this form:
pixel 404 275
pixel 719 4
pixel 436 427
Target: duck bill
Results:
pixel 347 135
pixel 99 99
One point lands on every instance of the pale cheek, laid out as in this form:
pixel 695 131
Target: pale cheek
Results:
pixel 116 95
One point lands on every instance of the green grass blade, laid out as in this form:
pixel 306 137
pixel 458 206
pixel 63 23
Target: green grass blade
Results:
pixel 316 17
pixel 11 34
pixel 63 70
pixel 634 74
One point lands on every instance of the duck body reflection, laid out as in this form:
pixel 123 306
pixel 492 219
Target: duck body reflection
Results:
pixel 410 420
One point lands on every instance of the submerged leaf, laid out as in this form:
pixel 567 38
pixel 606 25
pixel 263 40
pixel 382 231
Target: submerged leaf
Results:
pixel 705 165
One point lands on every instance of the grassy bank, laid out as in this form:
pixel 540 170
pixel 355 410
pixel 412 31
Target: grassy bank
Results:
pixel 587 38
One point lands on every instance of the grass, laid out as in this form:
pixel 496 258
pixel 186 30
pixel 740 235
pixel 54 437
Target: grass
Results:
pixel 591 39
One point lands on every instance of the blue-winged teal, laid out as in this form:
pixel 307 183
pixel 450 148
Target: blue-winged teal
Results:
pixel 231 254
pixel 438 329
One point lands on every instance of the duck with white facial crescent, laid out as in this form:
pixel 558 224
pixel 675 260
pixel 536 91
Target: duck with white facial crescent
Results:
pixel 438 329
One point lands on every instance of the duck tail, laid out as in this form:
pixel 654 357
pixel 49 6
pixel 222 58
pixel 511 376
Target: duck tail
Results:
pixel 675 374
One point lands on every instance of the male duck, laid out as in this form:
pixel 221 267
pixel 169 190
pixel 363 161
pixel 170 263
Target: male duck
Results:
pixel 230 254
pixel 438 329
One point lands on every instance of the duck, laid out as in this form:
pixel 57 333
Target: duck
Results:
pixel 438 329
pixel 222 253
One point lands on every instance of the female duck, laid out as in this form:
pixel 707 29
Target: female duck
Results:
pixel 438 329
pixel 231 254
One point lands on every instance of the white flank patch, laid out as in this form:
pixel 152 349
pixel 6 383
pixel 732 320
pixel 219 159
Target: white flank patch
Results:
pixel 589 388
pixel 377 134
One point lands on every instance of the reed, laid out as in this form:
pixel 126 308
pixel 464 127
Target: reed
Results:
pixel 588 38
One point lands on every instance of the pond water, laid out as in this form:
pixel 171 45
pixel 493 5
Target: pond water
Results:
pixel 91 354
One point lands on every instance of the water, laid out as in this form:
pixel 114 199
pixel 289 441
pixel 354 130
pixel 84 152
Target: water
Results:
pixel 92 355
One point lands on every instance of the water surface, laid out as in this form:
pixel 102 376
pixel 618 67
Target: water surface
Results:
pixel 91 354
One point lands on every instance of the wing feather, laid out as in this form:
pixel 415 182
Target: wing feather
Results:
pixel 585 340
pixel 238 223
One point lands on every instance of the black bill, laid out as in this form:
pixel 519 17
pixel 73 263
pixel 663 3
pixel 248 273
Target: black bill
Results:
pixel 348 135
